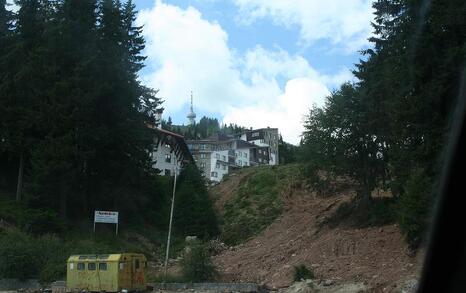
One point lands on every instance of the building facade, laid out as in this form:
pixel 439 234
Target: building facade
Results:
pixel 170 152
pixel 216 155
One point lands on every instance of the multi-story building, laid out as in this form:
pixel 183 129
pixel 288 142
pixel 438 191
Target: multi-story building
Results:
pixel 170 151
pixel 216 155
pixel 266 142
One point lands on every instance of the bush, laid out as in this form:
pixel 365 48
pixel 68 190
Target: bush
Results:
pixel 18 255
pixel 24 256
pixel 359 213
pixel 35 221
pixel 197 265
pixel 414 207
pixel 301 272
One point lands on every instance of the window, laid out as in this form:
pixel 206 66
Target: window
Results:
pixel 217 165
pixel 102 266
pixel 214 174
pixel 71 266
pixel 202 165
pixel 240 163
pixel 167 146
pixel 217 156
pixel 91 266
pixel 167 172
pixel 202 147
pixel 262 141
pixel 245 155
pixel 122 266
pixel 136 264
pixel 202 156
pixel 224 167
pixel 80 266
pixel 168 158
pixel 255 134
pixel 224 158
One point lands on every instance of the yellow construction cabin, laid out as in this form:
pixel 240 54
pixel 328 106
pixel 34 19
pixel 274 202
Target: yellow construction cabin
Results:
pixel 123 272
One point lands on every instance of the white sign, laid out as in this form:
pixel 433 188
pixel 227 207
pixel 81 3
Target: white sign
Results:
pixel 106 217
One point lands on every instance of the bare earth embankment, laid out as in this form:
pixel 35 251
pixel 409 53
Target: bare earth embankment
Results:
pixel 376 256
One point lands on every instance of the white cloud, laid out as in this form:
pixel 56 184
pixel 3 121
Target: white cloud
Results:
pixel 187 52
pixel 11 6
pixel 343 22
pixel 286 112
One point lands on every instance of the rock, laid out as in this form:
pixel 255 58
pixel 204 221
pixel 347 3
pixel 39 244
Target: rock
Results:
pixel 190 238
pixel 409 286
pixel 327 283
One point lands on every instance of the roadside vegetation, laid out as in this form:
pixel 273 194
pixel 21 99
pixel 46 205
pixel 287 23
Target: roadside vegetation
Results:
pixel 74 138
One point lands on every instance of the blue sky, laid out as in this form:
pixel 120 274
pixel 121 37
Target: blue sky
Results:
pixel 252 62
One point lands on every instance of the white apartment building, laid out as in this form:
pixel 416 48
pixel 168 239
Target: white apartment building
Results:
pixel 216 155
pixel 170 152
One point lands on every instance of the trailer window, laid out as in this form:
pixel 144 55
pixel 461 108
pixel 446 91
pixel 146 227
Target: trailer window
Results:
pixel 102 266
pixel 91 266
pixel 80 266
pixel 122 266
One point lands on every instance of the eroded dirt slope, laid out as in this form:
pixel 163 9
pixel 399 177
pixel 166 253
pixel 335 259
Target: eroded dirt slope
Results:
pixel 376 256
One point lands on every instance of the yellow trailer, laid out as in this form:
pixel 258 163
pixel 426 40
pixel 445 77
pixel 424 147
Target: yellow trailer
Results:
pixel 106 273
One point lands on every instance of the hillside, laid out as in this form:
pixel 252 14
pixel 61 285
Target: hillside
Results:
pixel 376 256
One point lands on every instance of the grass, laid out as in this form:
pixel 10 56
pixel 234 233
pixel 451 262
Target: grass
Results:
pixel 258 201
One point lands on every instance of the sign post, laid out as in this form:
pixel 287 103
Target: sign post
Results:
pixel 106 217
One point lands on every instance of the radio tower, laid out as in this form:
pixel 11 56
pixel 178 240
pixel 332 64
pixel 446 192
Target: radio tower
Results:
pixel 191 115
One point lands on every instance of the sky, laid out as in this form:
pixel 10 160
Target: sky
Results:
pixel 256 63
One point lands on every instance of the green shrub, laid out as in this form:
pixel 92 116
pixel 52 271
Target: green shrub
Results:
pixel 358 213
pixel 414 207
pixel 18 255
pixel 301 272
pixel 36 221
pixel 197 265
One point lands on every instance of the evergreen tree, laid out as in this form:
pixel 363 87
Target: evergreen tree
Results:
pixel 194 212
pixel 393 122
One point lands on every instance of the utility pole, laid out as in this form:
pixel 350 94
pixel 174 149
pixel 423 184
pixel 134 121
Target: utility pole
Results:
pixel 170 226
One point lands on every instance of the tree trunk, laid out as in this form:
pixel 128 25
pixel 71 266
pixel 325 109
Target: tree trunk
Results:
pixel 19 187
pixel 63 202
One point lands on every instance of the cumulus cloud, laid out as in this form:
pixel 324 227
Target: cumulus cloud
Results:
pixel 12 6
pixel 256 88
pixel 287 111
pixel 342 22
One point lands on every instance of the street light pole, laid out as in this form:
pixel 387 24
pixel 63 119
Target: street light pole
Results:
pixel 170 226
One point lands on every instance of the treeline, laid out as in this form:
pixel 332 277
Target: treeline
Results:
pixel 203 129
pixel 73 114
pixel 387 129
